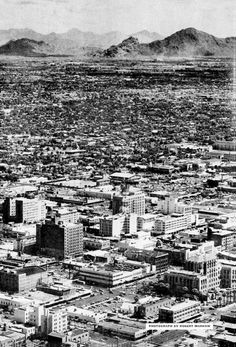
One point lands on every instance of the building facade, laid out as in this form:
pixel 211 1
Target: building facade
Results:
pixel 130 202
pixel 23 210
pixel 114 226
pixel 181 312
pixel 60 240
pixel 23 279
pixel 171 224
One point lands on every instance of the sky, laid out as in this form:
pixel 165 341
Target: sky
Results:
pixel 128 16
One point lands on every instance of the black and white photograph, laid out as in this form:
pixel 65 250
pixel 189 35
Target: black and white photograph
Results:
pixel 117 173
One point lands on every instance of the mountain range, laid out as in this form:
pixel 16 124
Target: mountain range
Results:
pixel 75 38
pixel 184 43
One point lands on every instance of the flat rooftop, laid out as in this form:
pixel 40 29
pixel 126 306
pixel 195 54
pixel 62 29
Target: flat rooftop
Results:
pixel 181 305
pixel 226 337
pixel 122 175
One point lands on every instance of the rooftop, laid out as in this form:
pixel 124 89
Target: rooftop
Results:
pixel 182 305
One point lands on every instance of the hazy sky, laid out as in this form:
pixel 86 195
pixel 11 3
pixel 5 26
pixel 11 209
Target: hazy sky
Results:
pixel 128 16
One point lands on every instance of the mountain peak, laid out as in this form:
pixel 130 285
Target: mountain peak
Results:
pixel 127 46
pixel 130 40
pixel 188 42
pixel 25 47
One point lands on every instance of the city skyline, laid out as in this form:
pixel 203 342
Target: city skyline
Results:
pixel 100 16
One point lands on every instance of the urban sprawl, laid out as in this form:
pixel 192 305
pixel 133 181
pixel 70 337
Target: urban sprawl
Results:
pixel 117 203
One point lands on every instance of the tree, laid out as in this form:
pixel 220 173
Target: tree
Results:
pixel 195 291
pixel 185 290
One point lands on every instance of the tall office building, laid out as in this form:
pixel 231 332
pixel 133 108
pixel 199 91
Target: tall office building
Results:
pixel 129 202
pixel 20 210
pixel 169 204
pixel 205 261
pixel 54 320
pixel 114 226
pixel 59 240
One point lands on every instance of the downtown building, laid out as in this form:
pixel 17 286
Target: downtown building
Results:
pixel 171 224
pixel 59 240
pixel 129 202
pixel 22 279
pixel 23 210
pixel 180 312
pixel 201 270
pixel 168 204
pixel 205 261
pixel 116 225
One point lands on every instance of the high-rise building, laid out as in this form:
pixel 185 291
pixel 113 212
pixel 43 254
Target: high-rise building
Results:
pixel 66 215
pixel 20 210
pixel 59 240
pixel 114 226
pixel 205 261
pixel 129 202
pixel 228 273
pixel 169 204
pixel 54 320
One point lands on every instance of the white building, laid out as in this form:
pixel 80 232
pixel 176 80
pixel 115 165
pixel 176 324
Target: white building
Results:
pixel 21 210
pixel 204 260
pixel 169 204
pixel 109 277
pixel 54 320
pixel 129 202
pixel 146 222
pixel 144 241
pixel 180 312
pixel 12 302
pixel 114 226
pixel 86 315
pixel 171 224
pixel 29 314
pixel 66 215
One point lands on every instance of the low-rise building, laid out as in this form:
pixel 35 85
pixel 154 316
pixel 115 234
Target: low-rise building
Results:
pixel 159 259
pixel 124 328
pixel 86 315
pixel 98 256
pixel 12 338
pixel 96 243
pixel 22 279
pixel 73 338
pixel 180 312
pixel 223 238
pixel 178 279
pixel 110 275
pixel 171 224
pixel 150 309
